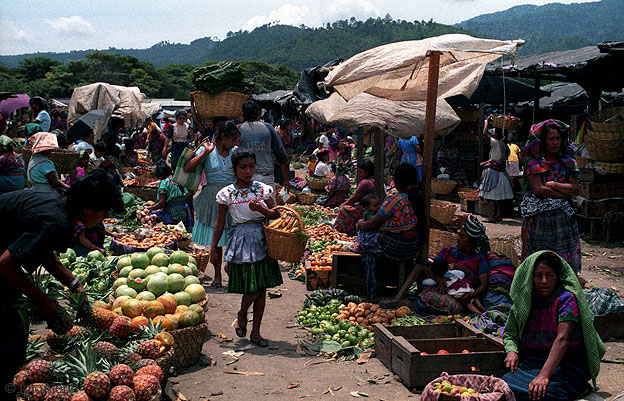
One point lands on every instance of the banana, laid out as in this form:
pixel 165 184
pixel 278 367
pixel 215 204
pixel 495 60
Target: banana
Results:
pixel 275 223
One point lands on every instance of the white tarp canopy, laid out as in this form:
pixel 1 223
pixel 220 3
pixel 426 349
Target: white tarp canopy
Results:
pixel 123 101
pixel 386 87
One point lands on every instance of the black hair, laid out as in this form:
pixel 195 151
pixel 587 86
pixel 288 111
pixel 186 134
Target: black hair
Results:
pixel 180 112
pixel 366 199
pixel 448 139
pixel 551 260
pixel 406 180
pixel 313 156
pixel 287 122
pixel 368 166
pixel 129 143
pixel 439 267
pixel 217 120
pixel 333 167
pixel 99 147
pixel 94 191
pixel 251 110
pixel 544 133
pixel 162 171
pixel 55 113
pixel 240 154
pixel 43 105
pixel 226 131
pixel 321 155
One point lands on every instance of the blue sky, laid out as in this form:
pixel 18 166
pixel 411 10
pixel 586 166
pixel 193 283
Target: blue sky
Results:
pixel 35 25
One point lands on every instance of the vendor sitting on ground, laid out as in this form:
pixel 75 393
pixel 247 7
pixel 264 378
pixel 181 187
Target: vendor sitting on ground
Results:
pixel 322 168
pixel 11 167
pixel 128 156
pixel 41 172
pixel 171 206
pixel 350 211
pixel 552 346
pixel 455 283
pixel 338 187
pixel 81 168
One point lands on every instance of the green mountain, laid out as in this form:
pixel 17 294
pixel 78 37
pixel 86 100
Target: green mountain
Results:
pixel 553 27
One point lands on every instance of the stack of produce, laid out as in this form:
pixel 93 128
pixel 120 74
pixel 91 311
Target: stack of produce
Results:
pixel 287 224
pixel 154 286
pixel 322 251
pixel 146 239
pixel 220 77
pixel 367 314
pixel 445 386
pixel 93 271
pixel 326 232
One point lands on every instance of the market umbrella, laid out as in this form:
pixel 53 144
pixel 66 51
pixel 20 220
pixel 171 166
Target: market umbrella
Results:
pixel 91 117
pixel 9 105
pixel 83 125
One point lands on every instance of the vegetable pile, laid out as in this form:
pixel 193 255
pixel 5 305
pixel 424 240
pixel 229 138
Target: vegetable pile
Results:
pixel 153 238
pixel 93 271
pixel 326 232
pixel 221 77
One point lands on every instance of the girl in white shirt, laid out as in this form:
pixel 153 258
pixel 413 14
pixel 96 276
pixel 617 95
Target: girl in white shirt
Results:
pixel 322 168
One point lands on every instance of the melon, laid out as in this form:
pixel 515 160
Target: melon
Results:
pixel 153 251
pixel 146 296
pixel 164 322
pixel 169 302
pixel 138 284
pixel 192 260
pixel 123 262
pixel 162 275
pixel 153 309
pixel 200 312
pixel 132 308
pixel 139 260
pixel 137 273
pixel 164 269
pixel 188 318
pixel 187 271
pixel 119 282
pixel 160 259
pixel 403 311
pixel 125 271
pixel 179 257
pixel 157 286
pixel 119 301
pixel 125 290
pixel 175 268
pixel 175 283
pixel 183 298
pixel 180 309
pixel 139 321
pixel 151 269
pixel 194 269
pixel 196 291
pixel 188 280
pixel 174 321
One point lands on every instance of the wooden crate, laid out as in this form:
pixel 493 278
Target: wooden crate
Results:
pixel 591 175
pixel 608 326
pixel 347 273
pixel 487 356
pixel 593 191
pixel 384 336
pixel 317 279
pixel 600 207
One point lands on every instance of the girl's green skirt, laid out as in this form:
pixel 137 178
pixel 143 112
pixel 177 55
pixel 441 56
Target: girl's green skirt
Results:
pixel 247 278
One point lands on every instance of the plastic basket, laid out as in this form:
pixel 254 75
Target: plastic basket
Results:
pixel 285 246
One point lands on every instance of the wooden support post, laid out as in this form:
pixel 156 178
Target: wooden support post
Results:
pixel 480 138
pixel 536 98
pixel 378 151
pixel 430 119
pixel 360 146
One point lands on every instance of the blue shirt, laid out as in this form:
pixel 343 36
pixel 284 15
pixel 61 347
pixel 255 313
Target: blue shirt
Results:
pixel 38 167
pixel 408 146
pixel 218 169
pixel 44 120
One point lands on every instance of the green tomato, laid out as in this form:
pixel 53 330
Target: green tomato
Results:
pixel 336 337
pixel 352 339
pixel 316 331
pixel 366 344
pixel 327 337
pixel 362 335
pixel 342 333
pixel 344 325
pixel 332 329
pixel 345 344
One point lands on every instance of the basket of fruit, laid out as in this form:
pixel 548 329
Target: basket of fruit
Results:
pixel 509 123
pixel 442 186
pixel 468 193
pixel 317 184
pixel 141 240
pixel 443 211
pixel 285 237
pixel 455 387
pixel 307 199
pixel 202 259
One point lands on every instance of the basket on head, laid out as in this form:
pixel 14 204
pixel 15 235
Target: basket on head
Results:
pixel 609 120
pixel 443 211
pixel 442 186
pixel 509 123
pixel 224 104
pixel 284 245
pixel 605 147
pixel 307 199
pixel 317 185
pixel 65 161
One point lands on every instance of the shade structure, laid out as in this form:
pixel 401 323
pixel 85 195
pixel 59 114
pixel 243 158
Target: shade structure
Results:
pixel 386 87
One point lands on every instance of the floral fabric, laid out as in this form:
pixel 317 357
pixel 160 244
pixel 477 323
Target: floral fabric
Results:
pixel 399 214
pixel 472 265
pixel 237 200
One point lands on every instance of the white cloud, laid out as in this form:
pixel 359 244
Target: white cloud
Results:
pixel 74 25
pixel 315 14
pixel 12 39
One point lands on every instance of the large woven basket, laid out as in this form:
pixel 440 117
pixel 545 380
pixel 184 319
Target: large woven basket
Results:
pixel 442 186
pixel 224 104
pixel 471 194
pixel 65 161
pixel 605 148
pixel 509 123
pixel 583 161
pixel 439 239
pixel 507 248
pixel 608 120
pixel 443 211
pixel 613 168
pixel 317 185
pixel 287 247
pixel 188 345
pixel 307 199
pixel 165 362
pixel 202 260
pixel 145 193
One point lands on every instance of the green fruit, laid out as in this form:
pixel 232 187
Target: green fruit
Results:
pixel 123 262
pixel 188 280
pixel 344 324
pixel 162 275
pixel 194 270
pixel 342 333
pixel 151 269
pixel 332 329
pixel 137 273
pixel 157 286
pixel 316 331
pixel 119 282
pixel 188 318
pixel 336 337
pixel 95 256
pixel 138 284
pixel 175 283
pixel 179 257
pixel 125 290
pixel 175 268
pixel 345 344
pixel 164 269
pixel 160 259
pixel 139 260
pixel 183 298
pixel 366 344
pixel 192 260
pixel 196 291
pixel 125 271
pixel 187 271
pixel 146 296
pixel 352 339
pixel 153 251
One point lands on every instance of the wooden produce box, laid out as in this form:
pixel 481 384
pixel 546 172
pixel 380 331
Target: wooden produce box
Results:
pixel 348 273
pixel 590 175
pixel 600 207
pixel 317 279
pixel 609 326
pixel 384 336
pixel 594 191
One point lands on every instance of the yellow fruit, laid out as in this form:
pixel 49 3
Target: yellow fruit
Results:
pixel 446 388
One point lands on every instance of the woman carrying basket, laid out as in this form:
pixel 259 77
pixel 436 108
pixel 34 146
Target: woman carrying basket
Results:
pixel 251 271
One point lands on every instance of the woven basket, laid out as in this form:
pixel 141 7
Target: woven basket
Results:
pixel 145 193
pixel 604 148
pixel 165 362
pixel 502 123
pixel 291 200
pixel 440 239
pixel 317 185
pixel 468 114
pixel 202 260
pixel 224 104
pixel 597 120
pixel 613 168
pixel 443 211
pixel 471 194
pixel 506 248
pixel 442 186
pixel 287 247
pixel 307 199
pixel 184 243
pixel 188 345
pixel 583 161
pixel 65 161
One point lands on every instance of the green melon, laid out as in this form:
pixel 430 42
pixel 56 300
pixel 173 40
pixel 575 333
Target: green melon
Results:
pixel 160 259
pixel 175 283
pixel 157 286
pixel 196 291
pixel 139 260
pixel 188 318
pixel 183 298
pixel 137 273
pixel 175 268
pixel 125 271
pixel 119 282
pixel 179 257
pixel 125 290
pixel 138 284
pixel 153 251
pixel 123 262
pixel 151 269
pixel 188 280
pixel 146 296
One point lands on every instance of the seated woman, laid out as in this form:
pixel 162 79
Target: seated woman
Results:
pixel 128 156
pixel 350 211
pixel 11 167
pixel 41 171
pixel 399 221
pixel 322 168
pixel 171 206
pixel 338 187
pixel 81 168
pixel 552 347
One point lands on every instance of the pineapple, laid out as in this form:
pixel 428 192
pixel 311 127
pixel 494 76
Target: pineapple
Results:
pixel 20 380
pixel 145 362
pixel 58 393
pixel 39 371
pixel 121 393
pixel 145 387
pixel 121 374
pixel 153 370
pixel 56 342
pixel 36 392
pixel 106 349
pixel 78 331
pixel 132 358
pixel 103 318
pixel 80 396
pixel 121 327
pixel 150 349
pixel 97 384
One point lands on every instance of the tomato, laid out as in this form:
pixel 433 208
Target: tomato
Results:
pixel 344 325
pixel 352 339
pixel 442 352
pixel 465 351
pixel 331 329
pixel 423 354
pixel 345 344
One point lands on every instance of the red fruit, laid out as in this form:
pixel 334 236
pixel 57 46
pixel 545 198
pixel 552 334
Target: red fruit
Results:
pixel 58 393
pixel 145 362
pixel 121 374
pixel 121 327
pixel 96 384
pixel 145 387
pixel 36 392
pixel 39 371
pixel 80 396
pixel 20 380
pixel 121 393
pixel 442 352
pixel 150 349
pixel 153 370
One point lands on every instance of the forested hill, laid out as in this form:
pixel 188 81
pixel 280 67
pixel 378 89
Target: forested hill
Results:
pixel 295 47
pixel 553 27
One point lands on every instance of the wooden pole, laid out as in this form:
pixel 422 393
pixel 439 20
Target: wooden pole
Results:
pixel 536 98
pixel 480 138
pixel 378 151
pixel 430 119
pixel 360 146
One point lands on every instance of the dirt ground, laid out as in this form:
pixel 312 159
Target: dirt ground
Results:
pixel 288 374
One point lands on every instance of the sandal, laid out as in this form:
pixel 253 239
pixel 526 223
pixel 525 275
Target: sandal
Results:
pixel 216 284
pixel 241 331
pixel 259 341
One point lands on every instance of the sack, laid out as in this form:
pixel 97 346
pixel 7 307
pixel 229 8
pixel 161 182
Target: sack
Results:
pixel 191 179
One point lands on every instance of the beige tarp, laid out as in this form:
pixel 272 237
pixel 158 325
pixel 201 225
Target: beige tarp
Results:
pixel 123 101
pixel 386 87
